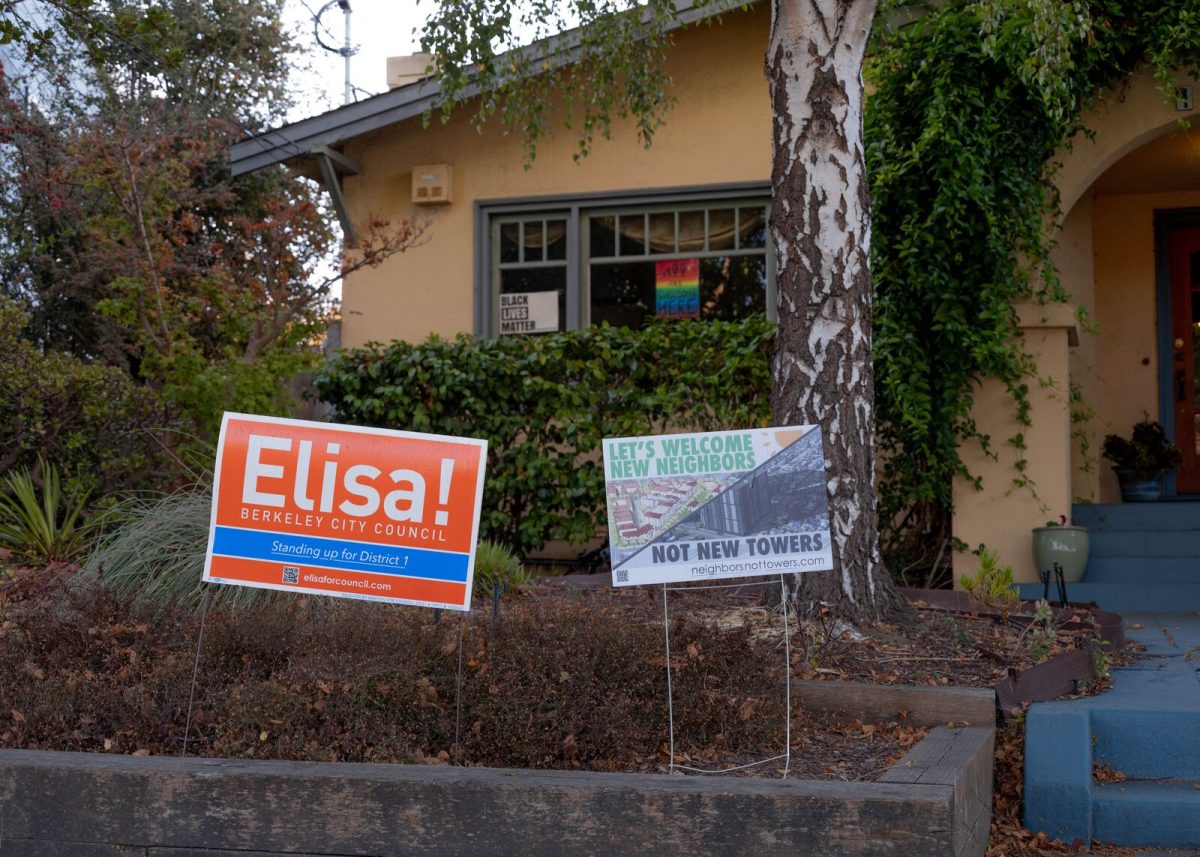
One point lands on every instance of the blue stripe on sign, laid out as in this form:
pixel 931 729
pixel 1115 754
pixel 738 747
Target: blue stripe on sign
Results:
pixel 345 555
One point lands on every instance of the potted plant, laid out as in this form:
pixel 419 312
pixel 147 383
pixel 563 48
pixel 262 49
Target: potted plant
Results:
pixel 1062 543
pixel 1142 460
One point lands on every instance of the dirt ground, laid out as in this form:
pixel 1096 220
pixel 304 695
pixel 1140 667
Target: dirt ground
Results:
pixel 566 676
pixel 931 647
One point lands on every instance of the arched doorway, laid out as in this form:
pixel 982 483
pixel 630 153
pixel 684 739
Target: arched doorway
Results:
pixel 1132 197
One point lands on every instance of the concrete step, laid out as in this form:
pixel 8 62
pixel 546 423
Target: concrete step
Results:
pixel 1144 543
pixel 1142 570
pixel 1146 813
pixel 1146 726
pixel 1145 743
pixel 1127 597
pixel 1181 515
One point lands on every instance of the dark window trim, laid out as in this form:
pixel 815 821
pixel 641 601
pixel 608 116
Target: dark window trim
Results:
pixel 572 205
pixel 648 196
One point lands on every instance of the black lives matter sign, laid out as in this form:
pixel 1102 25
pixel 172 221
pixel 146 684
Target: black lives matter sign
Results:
pixel 529 312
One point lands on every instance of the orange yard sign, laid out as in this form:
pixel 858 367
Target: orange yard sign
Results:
pixel 345 510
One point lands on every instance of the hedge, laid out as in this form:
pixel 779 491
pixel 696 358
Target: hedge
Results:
pixel 544 403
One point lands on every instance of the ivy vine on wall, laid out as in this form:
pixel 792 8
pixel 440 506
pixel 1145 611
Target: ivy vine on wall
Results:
pixel 971 108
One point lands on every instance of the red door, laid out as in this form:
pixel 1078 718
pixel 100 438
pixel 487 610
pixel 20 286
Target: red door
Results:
pixel 1184 244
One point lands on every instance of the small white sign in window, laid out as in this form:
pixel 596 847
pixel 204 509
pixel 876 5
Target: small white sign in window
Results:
pixel 529 312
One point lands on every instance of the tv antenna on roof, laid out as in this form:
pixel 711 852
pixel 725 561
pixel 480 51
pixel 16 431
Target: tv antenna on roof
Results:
pixel 346 50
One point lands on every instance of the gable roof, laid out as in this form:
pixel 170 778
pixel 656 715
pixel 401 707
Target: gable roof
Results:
pixel 299 140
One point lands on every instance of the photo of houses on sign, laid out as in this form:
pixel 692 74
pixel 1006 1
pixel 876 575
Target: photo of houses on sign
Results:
pixel 717 504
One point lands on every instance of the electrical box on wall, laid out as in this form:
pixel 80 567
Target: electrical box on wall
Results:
pixel 431 183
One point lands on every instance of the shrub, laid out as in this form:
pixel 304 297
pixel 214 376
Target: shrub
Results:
pixel 92 420
pixel 154 552
pixel 544 403
pixel 497 567
pixel 45 529
pixel 1147 454
pixel 567 687
pixel 992 586
pixel 576 687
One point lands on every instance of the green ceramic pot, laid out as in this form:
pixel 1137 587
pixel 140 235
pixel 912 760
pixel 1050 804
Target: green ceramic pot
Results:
pixel 1068 546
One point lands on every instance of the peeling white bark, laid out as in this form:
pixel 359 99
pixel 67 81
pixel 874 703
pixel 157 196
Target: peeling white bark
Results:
pixel 820 225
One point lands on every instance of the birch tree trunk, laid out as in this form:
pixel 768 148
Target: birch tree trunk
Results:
pixel 820 224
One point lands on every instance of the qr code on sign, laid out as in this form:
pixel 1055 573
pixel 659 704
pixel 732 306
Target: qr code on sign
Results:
pixel 291 574
pixel 622 575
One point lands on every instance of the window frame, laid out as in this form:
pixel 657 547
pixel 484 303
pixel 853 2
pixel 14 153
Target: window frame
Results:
pixel 498 265
pixel 576 209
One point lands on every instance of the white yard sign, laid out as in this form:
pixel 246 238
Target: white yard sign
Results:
pixel 529 312
pixel 717 504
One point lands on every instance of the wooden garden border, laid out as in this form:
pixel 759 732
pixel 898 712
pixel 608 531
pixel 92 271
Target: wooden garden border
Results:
pixel 1056 677
pixel 936 801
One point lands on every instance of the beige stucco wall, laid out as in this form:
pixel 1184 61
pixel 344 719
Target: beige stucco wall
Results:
pixel 718 132
pixel 1124 119
pixel 1002 515
pixel 1074 259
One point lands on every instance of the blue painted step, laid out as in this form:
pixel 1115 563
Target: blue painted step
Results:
pixel 1183 515
pixel 1146 813
pixel 1134 569
pixel 1144 543
pixel 1144 557
pixel 1146 726
pixel 1126 597
pixel 1148 743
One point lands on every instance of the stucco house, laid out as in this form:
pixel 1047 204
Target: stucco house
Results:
pixel 567 243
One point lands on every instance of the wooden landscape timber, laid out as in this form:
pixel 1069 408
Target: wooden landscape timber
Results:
pixel 934 801
pixel 1059 675
pixel 919 706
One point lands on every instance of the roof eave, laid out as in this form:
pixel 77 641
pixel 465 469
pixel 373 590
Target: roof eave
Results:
pixel 298 140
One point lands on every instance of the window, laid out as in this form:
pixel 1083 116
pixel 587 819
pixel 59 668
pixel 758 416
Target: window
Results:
pixel 623 261
pixel 531 274
pixel 708 262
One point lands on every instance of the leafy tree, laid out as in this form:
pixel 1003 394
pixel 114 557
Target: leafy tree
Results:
pixel 124 233
pixel 19 26
pixel 88 418
pixel 820 223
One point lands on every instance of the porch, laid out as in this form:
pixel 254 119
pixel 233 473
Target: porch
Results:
pixel 1126 347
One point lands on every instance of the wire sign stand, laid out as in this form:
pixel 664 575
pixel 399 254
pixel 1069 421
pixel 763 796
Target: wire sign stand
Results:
pixel 187 729
pixel 786 755
pixel 718 505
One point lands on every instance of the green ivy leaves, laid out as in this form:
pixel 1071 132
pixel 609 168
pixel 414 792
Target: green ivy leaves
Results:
pixel 972 106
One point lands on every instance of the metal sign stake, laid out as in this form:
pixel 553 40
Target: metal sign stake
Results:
pixel 786 755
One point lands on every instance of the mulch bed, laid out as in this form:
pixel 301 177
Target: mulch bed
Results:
pixel 931 647
pixel 934 647
pixel 567 676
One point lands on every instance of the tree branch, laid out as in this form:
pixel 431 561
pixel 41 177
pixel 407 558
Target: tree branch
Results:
pixel 139 221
